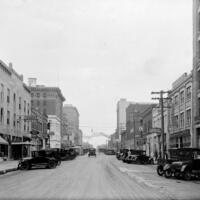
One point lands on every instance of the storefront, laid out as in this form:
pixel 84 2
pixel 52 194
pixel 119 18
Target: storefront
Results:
pixel 3 148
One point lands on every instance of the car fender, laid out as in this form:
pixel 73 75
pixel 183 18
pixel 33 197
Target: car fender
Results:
pixel 184 168
pixel 166 167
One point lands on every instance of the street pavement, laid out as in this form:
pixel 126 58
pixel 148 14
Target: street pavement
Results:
pixel 8 166
pixel 101 177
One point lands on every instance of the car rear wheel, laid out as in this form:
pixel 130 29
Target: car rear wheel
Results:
pixel 25 166
pixel 51 164
pixel 187 175
pixel 168 173
pixel 160 171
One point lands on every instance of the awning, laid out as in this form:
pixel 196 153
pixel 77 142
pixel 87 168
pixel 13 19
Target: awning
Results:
pixel 3 141
pixel 22 143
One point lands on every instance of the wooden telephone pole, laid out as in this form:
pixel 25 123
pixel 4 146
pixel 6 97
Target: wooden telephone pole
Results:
pixel 161 93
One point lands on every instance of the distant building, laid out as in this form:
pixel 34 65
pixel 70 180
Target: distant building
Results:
pixel 133 124
pixel 39 134
pixel 122 104
pixel 72 119
pixel 15 105
pixel 180 126
pixel 49 101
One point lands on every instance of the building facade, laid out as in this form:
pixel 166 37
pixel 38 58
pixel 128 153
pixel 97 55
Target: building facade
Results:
pixel 196 74
pixel 48 101
pixel 15 105
pixel 72 119
pixel 133 124
pixel 122 104
pixel 39 134
pixel 180 113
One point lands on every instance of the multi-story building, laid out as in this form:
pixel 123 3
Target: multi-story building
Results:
pixel 196 74
pixel 133 124
pixel 72 117
pixel 49 101
pixel 142 137
pixel 15 105
pixel 180 113
pixel 39 134
pixel 122 104
pixel 154 139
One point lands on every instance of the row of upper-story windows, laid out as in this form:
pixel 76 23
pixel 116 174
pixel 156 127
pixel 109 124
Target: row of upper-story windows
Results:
pixel 183 119
pixel 184 95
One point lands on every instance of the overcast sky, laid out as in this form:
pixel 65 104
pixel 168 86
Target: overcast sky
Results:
pixel 98 51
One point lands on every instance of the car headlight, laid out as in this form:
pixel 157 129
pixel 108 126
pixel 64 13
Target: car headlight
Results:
pixel 183 168
pixel 167 166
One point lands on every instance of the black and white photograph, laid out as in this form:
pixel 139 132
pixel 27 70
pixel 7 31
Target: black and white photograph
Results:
pixel 99 99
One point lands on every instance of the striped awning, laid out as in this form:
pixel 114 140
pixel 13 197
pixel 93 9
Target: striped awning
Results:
pixel 3 141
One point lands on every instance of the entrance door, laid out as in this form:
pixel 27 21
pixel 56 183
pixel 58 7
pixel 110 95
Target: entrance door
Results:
pixel 198 137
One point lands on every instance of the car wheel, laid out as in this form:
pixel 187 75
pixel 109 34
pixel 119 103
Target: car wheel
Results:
pixel 168 173
pixel 25 166
pixel 160 171
pixel 187 175
pixel 51 164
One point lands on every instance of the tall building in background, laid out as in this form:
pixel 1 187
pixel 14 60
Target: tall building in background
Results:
pixel 71 115
pixel 49 101
pixel 122 104
pixel 15 106
pixel 196 74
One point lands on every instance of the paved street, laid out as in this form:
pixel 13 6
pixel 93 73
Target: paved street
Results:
pixel 103 177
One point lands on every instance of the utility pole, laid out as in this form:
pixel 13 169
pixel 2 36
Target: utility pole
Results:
pixel 161 93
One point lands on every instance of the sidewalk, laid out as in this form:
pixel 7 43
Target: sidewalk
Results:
pixel 8 166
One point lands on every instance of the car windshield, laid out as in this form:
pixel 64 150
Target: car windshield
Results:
pixel 99 99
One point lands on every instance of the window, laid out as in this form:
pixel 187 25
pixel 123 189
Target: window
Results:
pixel 38 94
pixel 188 93
pixel 182 97
pixel 32 103
pixel 44 95
pixel 176 124
pixel 188 117
pixel 38 103
pixel 20 99
pixel 2 93
pixel 176 100
pixel 44 103
pixel 1 116
pixel 8 95
pixel 181 120
pixel 28 109
pixel 25 107
pixel 14 120
pixel 32 94
pixel 8 117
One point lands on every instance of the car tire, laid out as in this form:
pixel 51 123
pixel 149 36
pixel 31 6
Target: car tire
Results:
pixel 168 173
pixel 25 166
pixel 160 171
pixel 187 175
pixel 51 164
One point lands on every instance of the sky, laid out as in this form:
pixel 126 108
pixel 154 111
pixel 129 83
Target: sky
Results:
pixel 98 51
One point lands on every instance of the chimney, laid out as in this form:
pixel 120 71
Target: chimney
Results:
pixel 32 82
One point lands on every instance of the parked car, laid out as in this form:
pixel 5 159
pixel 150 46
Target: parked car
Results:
pixel 110 152
pixel 38 160
pixel 92 152
pixel 187 167
pixel 172 156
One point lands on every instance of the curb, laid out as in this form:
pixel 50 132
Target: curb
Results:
pixel 8 170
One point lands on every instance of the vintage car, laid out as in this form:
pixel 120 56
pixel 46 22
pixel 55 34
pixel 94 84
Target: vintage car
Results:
pixel 110 152
pixel 38 160
pixel 137 157
pixel 186 167
pixel 92 152
pixel 172 156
